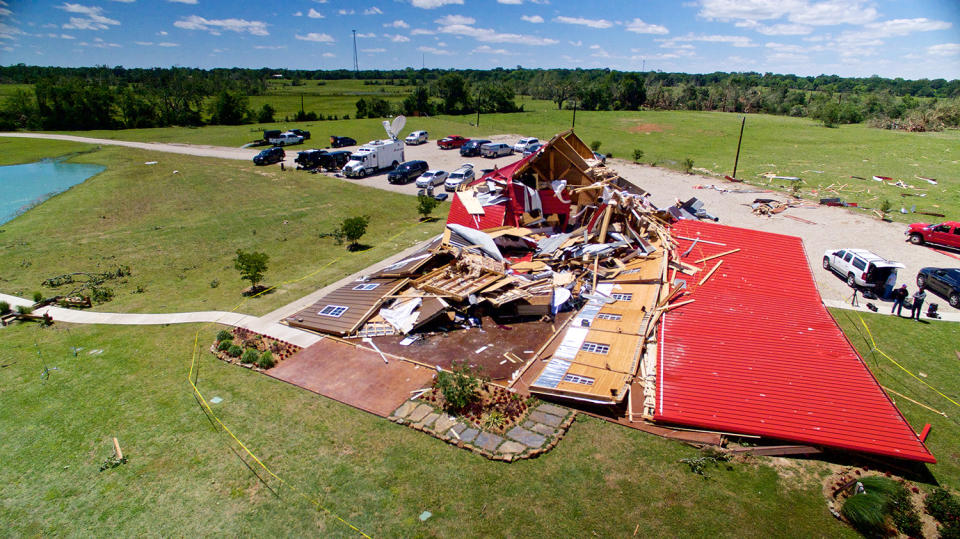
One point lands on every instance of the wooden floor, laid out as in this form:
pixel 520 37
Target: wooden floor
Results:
pixel 353 376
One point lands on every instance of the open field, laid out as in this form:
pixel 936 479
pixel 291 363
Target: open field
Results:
pixel 178 232
pixel 929 351
pixel 335 97
pixel 182 478
pixel 782 145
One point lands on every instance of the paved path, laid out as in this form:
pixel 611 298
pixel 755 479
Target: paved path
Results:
pixel 201 150
pixel 884 308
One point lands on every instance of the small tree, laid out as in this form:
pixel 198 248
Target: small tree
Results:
pixel 687 165
pixel 595 145
pixel 425 206
pixel 4 307
pixel 353 228
pixel 459 388
pixel 637 155
pixel 885 206
pixel 251 265
pixel 265 114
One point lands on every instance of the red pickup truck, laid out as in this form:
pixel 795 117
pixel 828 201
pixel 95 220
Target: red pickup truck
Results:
pixel 452 141
pixel 947 233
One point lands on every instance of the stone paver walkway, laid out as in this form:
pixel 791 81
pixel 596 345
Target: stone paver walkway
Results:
pixel 543 428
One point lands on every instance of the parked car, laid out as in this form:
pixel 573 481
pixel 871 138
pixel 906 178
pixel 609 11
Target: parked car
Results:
pixel 600 157
pixel 472 148
pixel 417 137
pixel 340 142
pixel 495 149
pixel 524 143
pixel 452 141
pixel 301 132
pixel 944 282
pixel 269 156
pixel 532 149
pixel 947 233
pixel 327 160
pixel 431 178
pixel 407 172
pixel 859 267
pixel 462 176
pixel 286 139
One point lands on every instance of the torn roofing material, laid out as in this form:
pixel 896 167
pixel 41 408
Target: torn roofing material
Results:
pixel 344 310
pixel 758 353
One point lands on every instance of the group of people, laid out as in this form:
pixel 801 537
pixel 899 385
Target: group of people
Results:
pixel 901 294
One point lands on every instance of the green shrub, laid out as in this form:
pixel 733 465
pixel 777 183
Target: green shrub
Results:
pixel 224 346
pixel 459 388
pixel 4 307
pixel 866 513
pixel 637 155
pixel 266 360
pixel 101 294
pixel 37 297
pixel 250 356
pixel 943 506
pixel 214 283
pixel 425 205
pixel 224 335
pixel 24 309
pixel 595 145
pixel 687 165
pixel 234 351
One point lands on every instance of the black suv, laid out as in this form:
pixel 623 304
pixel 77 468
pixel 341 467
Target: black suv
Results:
pixel 313 159
pixel 472 148
pixel 407 172
pixel 302 133
pixel 268 156
pixel 340 142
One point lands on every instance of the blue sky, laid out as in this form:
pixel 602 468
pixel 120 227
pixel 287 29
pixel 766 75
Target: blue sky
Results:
pixel 891 38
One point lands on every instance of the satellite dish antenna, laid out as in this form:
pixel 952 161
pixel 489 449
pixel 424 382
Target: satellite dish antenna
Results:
pixel 394 128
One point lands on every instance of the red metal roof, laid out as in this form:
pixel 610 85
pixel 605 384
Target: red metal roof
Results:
pixel 491 218
pixel 758 353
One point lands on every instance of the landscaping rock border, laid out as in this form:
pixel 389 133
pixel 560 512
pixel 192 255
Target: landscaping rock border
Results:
pixel 543 428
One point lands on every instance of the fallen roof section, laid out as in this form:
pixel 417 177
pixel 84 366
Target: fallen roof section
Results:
pixel 757 352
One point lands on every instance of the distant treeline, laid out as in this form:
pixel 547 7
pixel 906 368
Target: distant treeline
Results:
pixel 103 97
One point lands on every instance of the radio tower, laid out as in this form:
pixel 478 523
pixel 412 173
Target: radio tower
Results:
pixel 356 66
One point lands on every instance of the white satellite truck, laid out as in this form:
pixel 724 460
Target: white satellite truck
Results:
pixel 377 155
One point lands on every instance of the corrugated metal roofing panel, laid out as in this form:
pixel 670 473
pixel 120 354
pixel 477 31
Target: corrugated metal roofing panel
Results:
pixel 757 353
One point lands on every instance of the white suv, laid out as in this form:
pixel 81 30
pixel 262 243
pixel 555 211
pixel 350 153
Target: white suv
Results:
pixel 431 178
pixel 860 267
pixel 523 144
pixel 462 176
pixel 417 137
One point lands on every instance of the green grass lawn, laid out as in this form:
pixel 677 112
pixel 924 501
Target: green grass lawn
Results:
pixel 929 351
pixel 178 232
pixel 183 479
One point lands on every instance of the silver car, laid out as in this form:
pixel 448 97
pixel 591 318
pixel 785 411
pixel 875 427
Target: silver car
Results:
pixel 417 137
pixel 431 178
pixel 462 176
pixel 495 149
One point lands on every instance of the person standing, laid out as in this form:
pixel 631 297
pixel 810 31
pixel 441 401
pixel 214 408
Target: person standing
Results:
pixel 918 298
pixel 899 296
pixel 888 286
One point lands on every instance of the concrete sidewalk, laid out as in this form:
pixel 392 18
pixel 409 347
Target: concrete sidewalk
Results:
pixel 884 309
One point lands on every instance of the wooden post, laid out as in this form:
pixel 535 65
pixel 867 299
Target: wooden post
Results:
pixel 607 214
pixel 116 447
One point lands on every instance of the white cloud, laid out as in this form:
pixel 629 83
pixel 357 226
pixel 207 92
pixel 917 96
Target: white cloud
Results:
pixel 736 41
pixel 397 24
pixel 834 12
pixel 328 55
pixel 161 44
pixel 94 19
pixel 421 32
pixel 592 23
pixel 121 1
pixel 167 44
pixel 486 49
pixel 345 12
pixel 640 27
pixel 783 47
pixel 7 31
pixel 902 27
pixel 215 26
pixel 944 49
pixel 397 38
pixel 314 14
pixel 434 50
pixel 432 4
pixel 576 43
pixel 367 35
pixel 4 12
pixel 536 19
pixel 372 11
pixel 66 36
pixel 191 2
pixel 776 29
pixel 298 14
pixel 270 47
pixel 489 35
pixel 316 37
pixel 161 33
pixel 510 2
pixel 373 51
pixel 455 19
pixel 823 13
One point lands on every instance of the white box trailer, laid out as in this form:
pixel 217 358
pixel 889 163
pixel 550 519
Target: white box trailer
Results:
pixel 373 157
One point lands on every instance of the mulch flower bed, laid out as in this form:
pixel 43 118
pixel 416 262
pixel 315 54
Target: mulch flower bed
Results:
pixel 495 410
pixel 251 340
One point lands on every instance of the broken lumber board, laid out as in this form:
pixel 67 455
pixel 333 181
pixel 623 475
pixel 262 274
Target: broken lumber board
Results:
pixel 718 255
pixel 801 219
pixel 675 305
pixel 702 241
pixel 116 447
pixel 707 276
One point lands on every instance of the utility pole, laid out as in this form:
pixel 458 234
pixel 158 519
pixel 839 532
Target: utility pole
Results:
pixel 574 124
pixel 356 65
pixel 736 160
pixel 478 109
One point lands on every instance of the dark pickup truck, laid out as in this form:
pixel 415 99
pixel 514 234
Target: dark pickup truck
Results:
pixel 314 159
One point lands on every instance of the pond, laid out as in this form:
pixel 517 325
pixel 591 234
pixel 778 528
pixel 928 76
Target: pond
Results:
pixel 24 186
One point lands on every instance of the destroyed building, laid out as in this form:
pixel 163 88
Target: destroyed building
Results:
pixel 557 277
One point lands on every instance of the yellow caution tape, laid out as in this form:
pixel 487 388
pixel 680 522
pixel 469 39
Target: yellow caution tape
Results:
pixel 873 345
pixel 194 374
